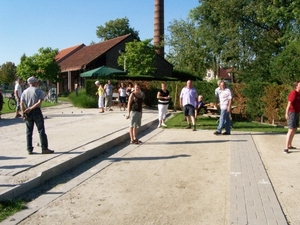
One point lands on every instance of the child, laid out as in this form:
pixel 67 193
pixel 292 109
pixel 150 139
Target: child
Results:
pixel 200 105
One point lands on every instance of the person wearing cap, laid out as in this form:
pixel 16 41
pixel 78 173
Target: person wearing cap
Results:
pixel 31 101
pixel 100 93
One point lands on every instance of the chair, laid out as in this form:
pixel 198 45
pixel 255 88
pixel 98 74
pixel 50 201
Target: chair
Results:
pixel 115 99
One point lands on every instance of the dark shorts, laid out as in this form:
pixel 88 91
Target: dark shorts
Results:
pixel 122 99
pixel 293 121
pixel 189 110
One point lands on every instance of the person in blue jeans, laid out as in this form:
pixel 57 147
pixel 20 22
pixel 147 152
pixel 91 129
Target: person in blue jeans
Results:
pixel 225 100
pixel 31 101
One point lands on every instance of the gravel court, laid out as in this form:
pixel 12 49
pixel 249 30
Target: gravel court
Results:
pixel 176 177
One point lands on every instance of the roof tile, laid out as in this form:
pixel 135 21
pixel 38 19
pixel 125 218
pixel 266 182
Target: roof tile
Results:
pixel 80 58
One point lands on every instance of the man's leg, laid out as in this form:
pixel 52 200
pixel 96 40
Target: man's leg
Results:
pixel 39 121
pixel 221 120
pixel 29 131
pixel 289 137
pixel 227 122
pixel 109 99
pixel 188 122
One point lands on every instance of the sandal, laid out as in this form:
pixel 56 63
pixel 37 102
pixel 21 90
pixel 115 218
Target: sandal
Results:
pixel 291 147
pixel 137 141
pixel 132 142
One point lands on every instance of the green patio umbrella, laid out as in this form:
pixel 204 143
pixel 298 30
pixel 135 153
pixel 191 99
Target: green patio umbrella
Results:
pixel 102 71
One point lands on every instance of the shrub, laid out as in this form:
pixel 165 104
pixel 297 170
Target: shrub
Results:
pixel 83 100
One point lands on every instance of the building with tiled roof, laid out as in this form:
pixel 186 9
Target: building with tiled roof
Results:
pixel 80 58
pixel 222 74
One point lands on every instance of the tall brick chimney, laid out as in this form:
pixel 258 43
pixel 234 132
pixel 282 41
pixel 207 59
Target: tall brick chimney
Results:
pixel 159 25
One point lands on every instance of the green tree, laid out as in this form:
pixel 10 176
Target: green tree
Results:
pixel 42 65
pixel 245 35
pixel 116 28
pixel 187 51
pixel 139 57
pixel 8 72
pixel 286 66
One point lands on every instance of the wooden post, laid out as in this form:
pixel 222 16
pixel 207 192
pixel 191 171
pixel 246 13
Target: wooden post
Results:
pixel 175 98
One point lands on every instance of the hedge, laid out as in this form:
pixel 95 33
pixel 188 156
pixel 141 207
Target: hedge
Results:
pixel 254 101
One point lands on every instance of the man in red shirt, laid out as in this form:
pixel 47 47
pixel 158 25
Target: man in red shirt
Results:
pixel 292 115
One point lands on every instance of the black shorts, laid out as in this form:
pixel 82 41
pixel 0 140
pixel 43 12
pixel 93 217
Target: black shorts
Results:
pixel 189 110
pixel 122 99
pixel 293 121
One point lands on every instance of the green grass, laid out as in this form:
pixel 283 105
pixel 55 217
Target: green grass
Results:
pixel 8 208
pixel 206 123
pixel 5 108
pixel 83 100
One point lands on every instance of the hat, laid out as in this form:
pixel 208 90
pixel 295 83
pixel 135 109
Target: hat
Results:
pixel 32 80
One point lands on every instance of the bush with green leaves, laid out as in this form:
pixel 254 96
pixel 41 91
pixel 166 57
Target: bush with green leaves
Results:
pixel 83 100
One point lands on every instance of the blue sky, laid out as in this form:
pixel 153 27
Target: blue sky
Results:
pixel 27 25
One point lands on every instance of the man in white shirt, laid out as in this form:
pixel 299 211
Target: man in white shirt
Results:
pixel 188 100
pixel 18 93
pixel 225 99
pixel 108 89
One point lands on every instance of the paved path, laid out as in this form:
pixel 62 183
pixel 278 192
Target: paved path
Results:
pixel 252 197
pixel 79 134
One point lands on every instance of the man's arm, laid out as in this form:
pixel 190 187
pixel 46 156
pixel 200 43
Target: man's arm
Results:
pixel 36 105
pixel 229 105
pixel 287 110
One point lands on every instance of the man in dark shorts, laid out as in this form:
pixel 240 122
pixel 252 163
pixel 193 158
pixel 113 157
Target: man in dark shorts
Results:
pixel 292 115
pixel 188 100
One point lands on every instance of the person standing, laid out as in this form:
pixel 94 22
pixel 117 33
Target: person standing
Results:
pixel 122 96
pixel 163 96
pixel 100 93
pixel 225 99
pixel 108 88
pixel 188 100
pixel 292 115
pixel 217 92
pixel 1 101
pixel 31 101
pixel 18 93
pixel 134 108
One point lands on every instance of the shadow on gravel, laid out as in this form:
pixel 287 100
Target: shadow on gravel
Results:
pixel 9 122
pixel 147 158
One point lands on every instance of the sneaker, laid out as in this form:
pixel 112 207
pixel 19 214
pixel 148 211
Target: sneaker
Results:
pixel 286 151
pixel 217 133
pixel 188 126
pixel 164 125
pixel 47 151
pixel 226 133
pixel 194 127
pixel 292 147
pixel 158 126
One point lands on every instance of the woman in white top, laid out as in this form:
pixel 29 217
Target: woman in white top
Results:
pixel 122 96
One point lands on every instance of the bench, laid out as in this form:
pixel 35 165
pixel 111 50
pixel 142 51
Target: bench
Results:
pixel 115 99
